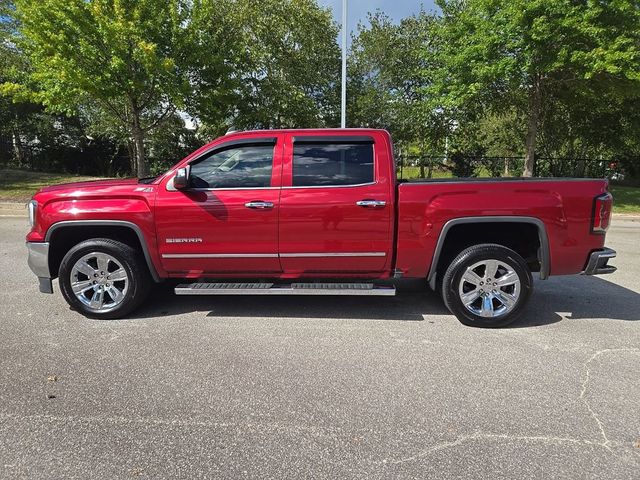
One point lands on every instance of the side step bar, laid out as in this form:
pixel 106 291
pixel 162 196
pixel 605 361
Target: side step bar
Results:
pixel 354 289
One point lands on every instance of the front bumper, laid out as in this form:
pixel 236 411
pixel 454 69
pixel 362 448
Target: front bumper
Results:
pixel 597 264
pixel 39 264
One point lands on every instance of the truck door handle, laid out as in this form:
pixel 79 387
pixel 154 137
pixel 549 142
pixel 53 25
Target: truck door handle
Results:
pixel 371 203
pixel 259 205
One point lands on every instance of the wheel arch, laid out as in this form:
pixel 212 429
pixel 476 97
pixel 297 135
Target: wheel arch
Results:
pixel 116 229
pixel 543 254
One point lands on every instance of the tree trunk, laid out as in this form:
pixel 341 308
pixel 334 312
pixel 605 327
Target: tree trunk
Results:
pixel 131 148
pixel 138 140
pixel 535 103
pixel 17 149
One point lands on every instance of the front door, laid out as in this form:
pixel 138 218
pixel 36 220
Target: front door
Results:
pixel 336 209
pixel 227 221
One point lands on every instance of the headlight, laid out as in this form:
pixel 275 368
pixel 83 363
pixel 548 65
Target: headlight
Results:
pixel 32 206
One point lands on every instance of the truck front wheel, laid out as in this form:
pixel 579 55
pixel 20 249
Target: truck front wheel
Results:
pixel 103 278
pixel 487 286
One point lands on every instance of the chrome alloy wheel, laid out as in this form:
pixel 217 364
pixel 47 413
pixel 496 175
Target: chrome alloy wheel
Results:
pixel 99 281
pixel 489 288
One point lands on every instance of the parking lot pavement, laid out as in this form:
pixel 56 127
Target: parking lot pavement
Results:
pixel 308 387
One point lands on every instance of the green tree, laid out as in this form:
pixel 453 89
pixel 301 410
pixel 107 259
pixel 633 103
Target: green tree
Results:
pixel 501 55
pixel 389 67
pixel 280 69
pixel 122 56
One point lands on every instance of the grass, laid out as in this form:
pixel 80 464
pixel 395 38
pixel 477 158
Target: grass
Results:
pixel 19 185
pixel 625 199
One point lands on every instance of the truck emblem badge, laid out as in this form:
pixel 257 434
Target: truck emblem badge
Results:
pixel 184 240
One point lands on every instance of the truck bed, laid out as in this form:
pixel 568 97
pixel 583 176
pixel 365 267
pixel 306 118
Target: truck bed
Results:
pixel 562 206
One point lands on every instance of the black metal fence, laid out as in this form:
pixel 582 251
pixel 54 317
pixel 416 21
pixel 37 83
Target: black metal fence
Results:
pixel 410 167
pixel 98 157
pixel 93 157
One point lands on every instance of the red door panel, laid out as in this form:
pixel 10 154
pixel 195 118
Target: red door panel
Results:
pixel 329 229
pixel 214 232
pixel 231 230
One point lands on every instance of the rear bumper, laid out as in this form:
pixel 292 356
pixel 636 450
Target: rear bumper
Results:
pixel 597 264
pixel 39 264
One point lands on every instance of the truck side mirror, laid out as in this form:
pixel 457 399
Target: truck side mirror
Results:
pixel 181 180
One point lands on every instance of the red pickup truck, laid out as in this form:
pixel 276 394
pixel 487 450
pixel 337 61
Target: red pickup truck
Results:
pixel 314 212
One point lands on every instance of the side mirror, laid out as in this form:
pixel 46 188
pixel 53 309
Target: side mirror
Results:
pixel 181 180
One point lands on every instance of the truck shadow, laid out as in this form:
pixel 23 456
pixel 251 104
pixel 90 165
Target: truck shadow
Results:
pixel 571 298
pixel 579 297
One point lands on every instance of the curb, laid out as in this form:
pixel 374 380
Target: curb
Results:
pixel 626 216
pixel 13 209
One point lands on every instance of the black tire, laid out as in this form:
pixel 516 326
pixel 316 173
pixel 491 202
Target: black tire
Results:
pixel 493 295
pixel 138 282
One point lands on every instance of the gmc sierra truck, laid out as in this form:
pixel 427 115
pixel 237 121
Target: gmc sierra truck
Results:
pixel 314 212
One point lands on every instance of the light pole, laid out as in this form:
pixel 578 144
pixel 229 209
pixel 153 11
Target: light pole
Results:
pixel 343 100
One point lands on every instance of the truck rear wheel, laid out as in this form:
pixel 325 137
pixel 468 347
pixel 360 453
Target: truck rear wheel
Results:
pixel 103 278
pixel 487 286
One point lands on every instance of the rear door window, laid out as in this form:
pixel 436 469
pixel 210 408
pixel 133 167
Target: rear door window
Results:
pixel 326 164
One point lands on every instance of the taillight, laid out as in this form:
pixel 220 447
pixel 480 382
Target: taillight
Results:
pixel 601 216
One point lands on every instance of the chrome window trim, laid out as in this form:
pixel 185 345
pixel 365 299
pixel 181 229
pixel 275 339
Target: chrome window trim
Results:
pixel 170 188
pixel 227 188
pixel 333 186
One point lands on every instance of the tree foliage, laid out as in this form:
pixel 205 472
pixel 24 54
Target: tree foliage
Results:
pixel 500 55
pixel 121 55
pixel 389 70
pixel 477 78
pixel 132 64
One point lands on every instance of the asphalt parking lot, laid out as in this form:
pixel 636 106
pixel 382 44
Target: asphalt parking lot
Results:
pixel 318 387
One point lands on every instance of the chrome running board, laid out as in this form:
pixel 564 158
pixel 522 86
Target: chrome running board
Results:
pixel 353 289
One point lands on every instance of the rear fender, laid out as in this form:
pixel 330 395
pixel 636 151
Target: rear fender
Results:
pixel 544 255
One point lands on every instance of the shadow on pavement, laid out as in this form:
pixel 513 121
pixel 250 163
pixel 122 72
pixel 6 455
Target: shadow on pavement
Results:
pixel 413 301
pixel 573 297
pixel 579 297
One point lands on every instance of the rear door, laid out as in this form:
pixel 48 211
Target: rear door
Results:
pixel 335 205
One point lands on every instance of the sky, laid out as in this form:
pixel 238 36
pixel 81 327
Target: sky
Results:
pixel 357 9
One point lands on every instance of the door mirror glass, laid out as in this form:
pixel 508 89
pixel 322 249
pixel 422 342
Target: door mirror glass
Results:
pixel 181 180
